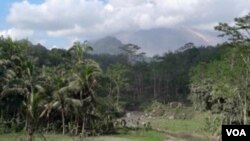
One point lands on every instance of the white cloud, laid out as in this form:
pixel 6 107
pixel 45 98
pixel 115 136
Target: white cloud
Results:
pixel 205 26
pixel 96 18
pixel 16 33
pixel 109 8
pixel 55 14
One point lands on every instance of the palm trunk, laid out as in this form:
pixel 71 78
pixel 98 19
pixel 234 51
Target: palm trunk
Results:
pixel 18 117
pixel 48 125
pixel 30 130
pixel 83 126
pixel 26 124
pixel 63 120
pixel 2 117
pixel 77 126
pixel 30 137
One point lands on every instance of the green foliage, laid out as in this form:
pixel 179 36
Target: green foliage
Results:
pixel 220 82
pixel 37 93
pixel 117 75
pixel 213 125
pixel 223 85
pixel 238 32
pixel 154 105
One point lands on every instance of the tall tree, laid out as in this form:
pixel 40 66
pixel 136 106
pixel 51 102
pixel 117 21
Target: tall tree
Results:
pixel 117 74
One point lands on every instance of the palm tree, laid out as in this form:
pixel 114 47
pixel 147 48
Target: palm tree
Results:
pixel 58 77
pixel 21 80
pixel 78 50
pixel 83 78
pixel 82 86
pixel 34 103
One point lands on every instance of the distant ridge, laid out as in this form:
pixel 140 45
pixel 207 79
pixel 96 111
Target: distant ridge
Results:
pixel 107 45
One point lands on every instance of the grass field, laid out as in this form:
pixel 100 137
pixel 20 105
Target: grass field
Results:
pixel 185 130
pixel 128 136
pixel 191 129
pixel 21 137
pixel 144 136
pixel 194 125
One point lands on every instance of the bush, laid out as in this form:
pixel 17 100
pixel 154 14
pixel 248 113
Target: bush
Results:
pixel 212 124
pixel 156 108
pixel 5 128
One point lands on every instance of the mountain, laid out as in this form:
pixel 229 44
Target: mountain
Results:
pixel 155 41
pixel 106 45
pixel 161 40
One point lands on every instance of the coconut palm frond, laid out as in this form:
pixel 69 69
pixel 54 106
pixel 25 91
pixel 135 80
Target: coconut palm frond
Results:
pixel 55 104
pixel 61 91
pixel 87 99
pixel 48 108
pixel 12 91
pixel 73 102
pixel 40 89
pixel 10 74
pixel 4 62
pixel 37 99
pixel 44 112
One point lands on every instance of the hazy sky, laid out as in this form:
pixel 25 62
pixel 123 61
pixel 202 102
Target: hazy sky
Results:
pixel 60 22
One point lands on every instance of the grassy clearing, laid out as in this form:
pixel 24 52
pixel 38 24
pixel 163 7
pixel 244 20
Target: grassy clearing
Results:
pixel 178 125
pixel 142 135
pixel 184 129
pixel 107 138
pixel 181 123
pixel 21 137
pixel 129 135
pixel 135 136
pixel 196 124
pixel 189 129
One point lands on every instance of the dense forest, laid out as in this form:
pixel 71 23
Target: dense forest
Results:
pixel 75 92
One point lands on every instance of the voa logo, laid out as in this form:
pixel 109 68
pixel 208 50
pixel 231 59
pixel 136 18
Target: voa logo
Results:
pixel 236 132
